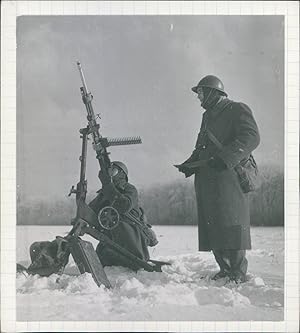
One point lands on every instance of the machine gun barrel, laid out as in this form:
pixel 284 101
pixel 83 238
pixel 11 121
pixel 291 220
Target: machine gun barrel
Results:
pixel 100 143
pixel 82 77
pixel 101 153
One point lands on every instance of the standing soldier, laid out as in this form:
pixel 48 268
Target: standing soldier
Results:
pixel 227 136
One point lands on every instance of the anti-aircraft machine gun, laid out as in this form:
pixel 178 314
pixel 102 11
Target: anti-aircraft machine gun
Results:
pixel 86 220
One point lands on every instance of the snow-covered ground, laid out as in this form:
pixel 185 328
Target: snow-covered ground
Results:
pixel 183 291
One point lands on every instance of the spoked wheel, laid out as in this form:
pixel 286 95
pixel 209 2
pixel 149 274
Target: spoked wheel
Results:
pixel 108 218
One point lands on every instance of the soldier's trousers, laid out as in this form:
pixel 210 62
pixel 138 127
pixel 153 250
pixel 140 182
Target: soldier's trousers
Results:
pixel 232 261
pixel 109 257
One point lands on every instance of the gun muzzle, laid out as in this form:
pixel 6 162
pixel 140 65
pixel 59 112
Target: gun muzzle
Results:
pixel 82 77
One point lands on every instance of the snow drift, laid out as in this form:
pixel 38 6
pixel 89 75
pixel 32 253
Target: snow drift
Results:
pixel 183 291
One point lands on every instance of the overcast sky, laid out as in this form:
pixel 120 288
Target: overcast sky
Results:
pixel 140 70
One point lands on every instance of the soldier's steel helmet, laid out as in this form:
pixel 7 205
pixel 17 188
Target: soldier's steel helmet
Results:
pixel 121 165
pixel 210 81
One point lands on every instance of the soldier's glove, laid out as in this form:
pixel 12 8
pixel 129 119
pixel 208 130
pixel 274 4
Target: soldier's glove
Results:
pixel 184 169
pixel 104 179
pixel 188 172
pixel 180 167
pixel 216 163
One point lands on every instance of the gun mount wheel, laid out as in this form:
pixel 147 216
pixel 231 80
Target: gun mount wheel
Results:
pixel 108 218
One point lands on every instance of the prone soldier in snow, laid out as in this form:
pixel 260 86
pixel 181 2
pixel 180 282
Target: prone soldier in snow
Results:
pixel 222 163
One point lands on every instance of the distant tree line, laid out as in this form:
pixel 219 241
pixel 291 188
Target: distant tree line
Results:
pixel 170 204
pixel 175 203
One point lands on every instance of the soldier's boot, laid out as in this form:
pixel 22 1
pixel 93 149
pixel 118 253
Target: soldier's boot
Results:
pixel 223 261
pixel 239 265
pixel 220 275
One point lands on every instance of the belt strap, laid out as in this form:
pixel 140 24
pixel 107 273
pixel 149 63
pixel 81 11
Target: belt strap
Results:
pixel 213 139
pixel 211 136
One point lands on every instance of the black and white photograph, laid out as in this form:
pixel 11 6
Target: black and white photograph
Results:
pixel 150 168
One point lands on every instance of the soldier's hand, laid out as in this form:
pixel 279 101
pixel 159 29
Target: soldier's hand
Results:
pixel 184 169
pixel 180 167
pixel 188 173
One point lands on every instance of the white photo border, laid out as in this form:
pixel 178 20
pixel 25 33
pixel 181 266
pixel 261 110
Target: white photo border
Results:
pixel 9 13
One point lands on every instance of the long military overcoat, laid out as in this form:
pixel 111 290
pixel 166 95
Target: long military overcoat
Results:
pixel 223 208
pixel 127 234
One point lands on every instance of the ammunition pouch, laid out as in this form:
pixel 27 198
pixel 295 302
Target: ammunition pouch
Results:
pixel 248 175
pixel 149 235
pixel 246 170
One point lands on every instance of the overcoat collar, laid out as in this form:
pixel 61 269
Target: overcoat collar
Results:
pixel 217 109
